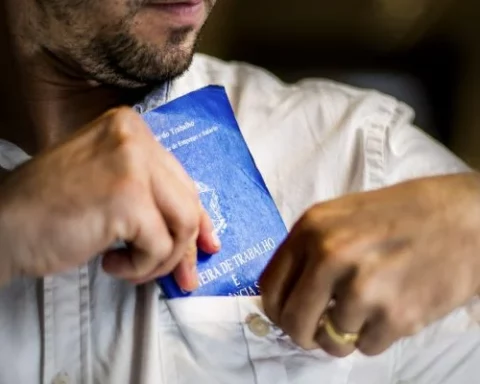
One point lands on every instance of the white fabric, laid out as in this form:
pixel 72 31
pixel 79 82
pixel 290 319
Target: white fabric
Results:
pixel 312 141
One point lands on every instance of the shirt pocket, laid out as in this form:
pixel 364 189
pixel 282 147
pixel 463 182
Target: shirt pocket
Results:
pixel 229 340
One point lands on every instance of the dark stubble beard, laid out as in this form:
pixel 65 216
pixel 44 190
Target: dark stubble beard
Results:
pixel 113 55
pixel 122 61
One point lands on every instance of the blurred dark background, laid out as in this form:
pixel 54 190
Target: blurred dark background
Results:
pixel 424 52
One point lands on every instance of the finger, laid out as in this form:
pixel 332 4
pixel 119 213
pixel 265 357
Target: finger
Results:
pixel 307 302
pixel 376 336
pixel 181 211
pixel 185 273
pixel 208 240
pixel 152 245
pixel 347 315
pixel 350 311
pixel 326 343
pixel 279 277
pixel 185 251
pixel 119 263
pixel 178 204
pixel 123 264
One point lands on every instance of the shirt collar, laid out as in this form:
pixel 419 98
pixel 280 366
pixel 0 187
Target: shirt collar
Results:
pixel 154 99
pixel 12 156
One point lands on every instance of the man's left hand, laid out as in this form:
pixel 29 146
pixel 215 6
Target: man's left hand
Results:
pixel 371 268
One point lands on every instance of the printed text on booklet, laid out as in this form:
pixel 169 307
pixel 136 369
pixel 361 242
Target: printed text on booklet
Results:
pixel 200 129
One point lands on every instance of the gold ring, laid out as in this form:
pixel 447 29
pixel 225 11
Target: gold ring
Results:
pixel 341 338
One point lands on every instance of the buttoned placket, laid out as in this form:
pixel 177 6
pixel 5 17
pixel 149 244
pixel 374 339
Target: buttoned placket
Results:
pixel 261 328
pixel 66 308
pixel 66 328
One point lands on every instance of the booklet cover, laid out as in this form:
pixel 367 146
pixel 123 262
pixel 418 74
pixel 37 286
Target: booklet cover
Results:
pixel 200 129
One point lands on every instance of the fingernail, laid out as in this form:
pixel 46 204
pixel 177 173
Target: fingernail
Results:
pixel 216 240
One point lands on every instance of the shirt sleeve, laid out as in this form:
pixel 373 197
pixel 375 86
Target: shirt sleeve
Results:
pixel 411 153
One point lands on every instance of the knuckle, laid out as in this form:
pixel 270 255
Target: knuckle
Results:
pixel 163 248
pixel 311 221
pixel 127 151
pixel 326 249
pixel 189 227
pixel 321 215
pixel 338 242
pixel 187 222
pixel 123 217
pixel 125 126
pixel 331 242
pixel 404 319
pixel 341 243
pixel 123 119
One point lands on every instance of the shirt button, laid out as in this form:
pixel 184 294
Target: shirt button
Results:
pixel 258 326
pixel 61 378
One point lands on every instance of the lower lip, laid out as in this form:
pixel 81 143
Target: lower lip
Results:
pixel 181 13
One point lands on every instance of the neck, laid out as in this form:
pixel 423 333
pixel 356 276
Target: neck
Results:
pixel 59 103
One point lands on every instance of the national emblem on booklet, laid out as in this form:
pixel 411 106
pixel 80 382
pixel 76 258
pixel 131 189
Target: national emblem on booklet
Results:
pixel 200 129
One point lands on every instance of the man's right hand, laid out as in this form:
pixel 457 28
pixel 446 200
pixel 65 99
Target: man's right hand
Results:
pixel 112 181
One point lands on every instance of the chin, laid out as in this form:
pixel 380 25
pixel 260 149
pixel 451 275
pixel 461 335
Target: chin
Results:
pixel 167 66
pixel 127 60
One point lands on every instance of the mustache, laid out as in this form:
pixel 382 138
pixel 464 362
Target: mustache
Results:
pixel 136 5
pixel 161 2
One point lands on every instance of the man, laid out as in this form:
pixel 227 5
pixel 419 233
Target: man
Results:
pixel 353 276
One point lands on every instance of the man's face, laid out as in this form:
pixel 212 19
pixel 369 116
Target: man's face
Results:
pixel 125 43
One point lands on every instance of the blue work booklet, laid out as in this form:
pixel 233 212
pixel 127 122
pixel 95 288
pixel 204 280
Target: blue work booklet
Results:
pixel 200 129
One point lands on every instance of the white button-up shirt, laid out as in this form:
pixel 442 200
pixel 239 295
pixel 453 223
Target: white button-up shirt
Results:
pixel 312 141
